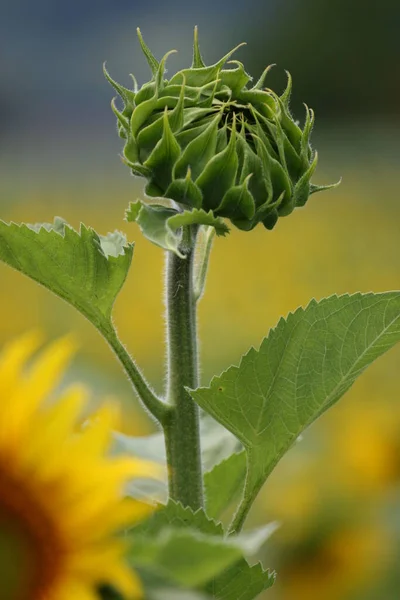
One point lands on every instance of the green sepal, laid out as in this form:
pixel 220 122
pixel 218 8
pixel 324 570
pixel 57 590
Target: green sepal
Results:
pixel 122 120
pixel 131 152
pixel 236 79
pixel 185 191
pixel 219 174
pixel 203 75
pixel 198 152
pixel 285 97
pixel 164 156
pixel 137 169
pixel 153 63
pixel 321 188
pixel 197 62
pixel 159 78
pixel 301 191
pixel 141 114
pixel 146 92
pixel 260 83
pixel 238 202
pixel 198 217
pixel 128 96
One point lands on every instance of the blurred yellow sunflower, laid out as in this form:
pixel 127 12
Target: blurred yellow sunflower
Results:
pixel 61 503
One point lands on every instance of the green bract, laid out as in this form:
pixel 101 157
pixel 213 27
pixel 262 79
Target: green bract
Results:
pixel 207 140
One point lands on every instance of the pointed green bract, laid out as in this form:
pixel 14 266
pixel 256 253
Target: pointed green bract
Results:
pixel 301 369
pixel 83 268
pixel 209 120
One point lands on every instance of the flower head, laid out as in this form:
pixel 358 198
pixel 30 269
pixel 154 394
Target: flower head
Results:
pixel 60 495
pixel 208 139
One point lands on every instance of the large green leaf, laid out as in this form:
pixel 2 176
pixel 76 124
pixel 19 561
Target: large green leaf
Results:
pixel 304 366
pixel 85 269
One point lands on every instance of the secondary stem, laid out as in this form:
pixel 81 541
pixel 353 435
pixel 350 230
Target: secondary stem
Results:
pixel 182 437
pixel 154 405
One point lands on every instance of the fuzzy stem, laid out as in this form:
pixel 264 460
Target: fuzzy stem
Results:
pixel 151 402
pixel 181 428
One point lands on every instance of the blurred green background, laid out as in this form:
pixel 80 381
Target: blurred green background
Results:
pixel 337 493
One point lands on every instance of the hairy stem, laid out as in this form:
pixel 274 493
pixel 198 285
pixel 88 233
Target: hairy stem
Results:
pixel 151 402
pixel 182 437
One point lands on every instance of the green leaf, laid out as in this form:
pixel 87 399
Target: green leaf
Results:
pixel 241 582
pixel 301 369
pixel 184 556
pixel 161 225
pixel 85 269
pixel 224 483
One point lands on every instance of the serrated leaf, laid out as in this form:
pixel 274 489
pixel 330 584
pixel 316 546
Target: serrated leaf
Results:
pixel 184 556
pixel 301 369
pixel 175 515
pixel 241 582
pixel 224 483
pixel 85 269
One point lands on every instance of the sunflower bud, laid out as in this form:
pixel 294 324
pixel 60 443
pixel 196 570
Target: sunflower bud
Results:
pixel 215 144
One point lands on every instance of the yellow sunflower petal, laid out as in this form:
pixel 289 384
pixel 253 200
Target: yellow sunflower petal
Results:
pixel 59 491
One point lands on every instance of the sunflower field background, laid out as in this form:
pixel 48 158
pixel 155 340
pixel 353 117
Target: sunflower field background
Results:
pixel 336 495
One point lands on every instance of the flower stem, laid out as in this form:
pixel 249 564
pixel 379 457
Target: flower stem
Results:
pixel 151 402
pixel 181 428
